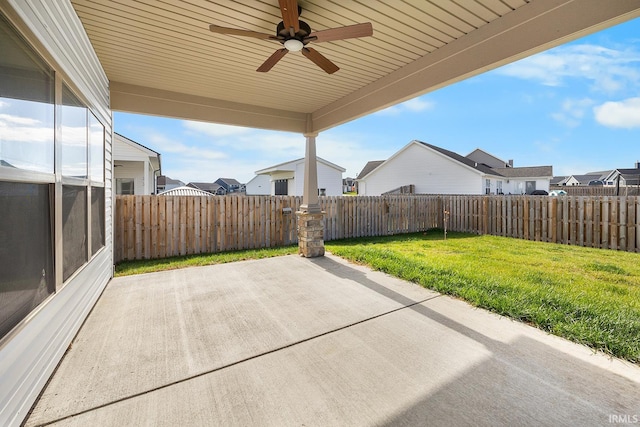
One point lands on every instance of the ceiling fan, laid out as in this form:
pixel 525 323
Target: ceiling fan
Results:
pixel 295 35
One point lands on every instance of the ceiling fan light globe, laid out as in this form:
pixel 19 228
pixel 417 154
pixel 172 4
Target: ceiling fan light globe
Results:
pixel 293 45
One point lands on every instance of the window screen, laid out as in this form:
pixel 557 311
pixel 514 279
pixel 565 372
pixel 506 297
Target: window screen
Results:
pixel 74 229
pixel 97 218
pixel 26 253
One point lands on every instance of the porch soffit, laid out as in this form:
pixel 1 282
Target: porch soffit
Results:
pixel 161 59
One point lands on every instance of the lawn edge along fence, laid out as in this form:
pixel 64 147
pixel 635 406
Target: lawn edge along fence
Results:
pixel 150 227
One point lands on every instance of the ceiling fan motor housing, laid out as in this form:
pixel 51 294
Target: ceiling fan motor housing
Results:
pixel 304 32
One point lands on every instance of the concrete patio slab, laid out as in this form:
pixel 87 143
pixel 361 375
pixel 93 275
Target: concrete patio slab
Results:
pixel 294 341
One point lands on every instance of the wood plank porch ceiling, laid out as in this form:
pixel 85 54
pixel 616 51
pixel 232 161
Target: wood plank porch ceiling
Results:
pixel 161 58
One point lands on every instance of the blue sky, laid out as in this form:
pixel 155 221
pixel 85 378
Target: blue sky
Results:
pixel 575 107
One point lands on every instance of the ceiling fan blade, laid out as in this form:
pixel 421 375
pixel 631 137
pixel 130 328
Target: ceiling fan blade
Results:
pixel 320 60
pixel 272 60
pixel 239 32
pixel 289 11
pixel 341 33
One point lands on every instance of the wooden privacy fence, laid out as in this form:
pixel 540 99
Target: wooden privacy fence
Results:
pixel 598 222
pixel 148 227
pixel 594 190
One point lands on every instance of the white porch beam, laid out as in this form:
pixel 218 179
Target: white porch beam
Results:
pixel 157 102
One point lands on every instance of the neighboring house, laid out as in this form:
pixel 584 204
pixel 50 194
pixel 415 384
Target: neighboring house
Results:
pixel 349 185
pixel 559 180
pixel 259 185
pixel 288 179
pixel 135 167
pixel 523 180
pixel 229 184
pixel 164 183
pixel 627 177
pixel 435 170
pixel 575 180
pixel 185 191
pixel 371 165
pixel 209 187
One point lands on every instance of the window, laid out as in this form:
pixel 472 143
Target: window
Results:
pixel 487 189
pixel 97 219
pixel 530 187
pixel 499 187
pixel 26 253
pixel 74 228
pixel 27 132
pixel 124 186
pixel 96 149
pixel 26 105
pixel 74 135
pixel 29 196
pixel 281 187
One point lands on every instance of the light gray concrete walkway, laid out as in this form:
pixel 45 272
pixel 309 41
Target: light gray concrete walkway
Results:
pixel 302 342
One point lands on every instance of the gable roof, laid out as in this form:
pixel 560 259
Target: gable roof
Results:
pixel 137 145
pixel 369 167
pixel 526 172
pixel 206 186
pixel 558 180
pixel 290 166
pixel 464 160
pixel 507 172
pixel 478 153
pixel 229 181
pixel 584 179
pixel 629 171
pixel 164 180
pixel 154 156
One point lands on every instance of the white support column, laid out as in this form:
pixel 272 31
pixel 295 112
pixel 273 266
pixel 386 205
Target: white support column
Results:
pixel 310 191
pixel 310 217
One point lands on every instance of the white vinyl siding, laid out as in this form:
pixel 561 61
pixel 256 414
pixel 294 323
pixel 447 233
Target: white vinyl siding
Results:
pixel 143 180
pixel 518 185
pixel 32 352
pixel 259 185
pixel 430 172
pixel 329 178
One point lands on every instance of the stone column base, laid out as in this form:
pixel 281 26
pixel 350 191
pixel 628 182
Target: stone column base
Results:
pixel 310 234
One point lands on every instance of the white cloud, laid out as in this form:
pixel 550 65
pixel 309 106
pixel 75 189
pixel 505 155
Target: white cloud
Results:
pixel 162 144
pixel 351 151
pixel 17 120
pixel 214 129
pixel 621 114
pixel 609 70
pixel 573 110
pixel 415 105
pixel 271 144
pixel 24 129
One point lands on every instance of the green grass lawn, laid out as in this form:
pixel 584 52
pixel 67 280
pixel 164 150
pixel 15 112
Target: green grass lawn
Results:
pixel 590 296
pixel 126 268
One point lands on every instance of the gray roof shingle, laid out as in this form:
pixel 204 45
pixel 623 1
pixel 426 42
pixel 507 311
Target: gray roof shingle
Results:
pixel 525 172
